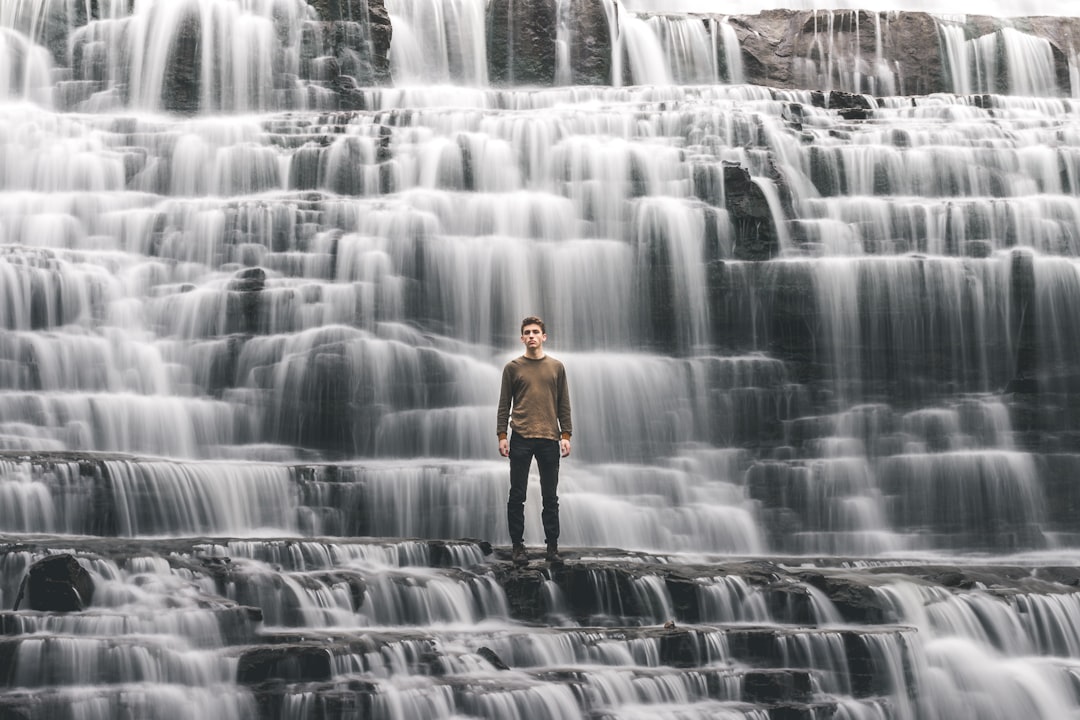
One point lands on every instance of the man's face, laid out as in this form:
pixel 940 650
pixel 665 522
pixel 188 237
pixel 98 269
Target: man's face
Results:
pixel 533 337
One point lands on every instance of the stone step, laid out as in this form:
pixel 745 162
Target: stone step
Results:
pixel 55 660
pixel 201 627
pixel 858 660
pixel 566 693
pixel 577 693
pixel 322 582
pixel 136 700
pixel 355 699
pixel 760 624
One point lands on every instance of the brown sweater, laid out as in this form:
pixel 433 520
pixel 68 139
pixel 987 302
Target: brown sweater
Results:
pixel 540 397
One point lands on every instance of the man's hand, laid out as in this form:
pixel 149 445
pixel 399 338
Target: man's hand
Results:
pixel 504 447
pixel 564 446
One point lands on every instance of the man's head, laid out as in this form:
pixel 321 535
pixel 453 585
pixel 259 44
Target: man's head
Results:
pixel 533 320
pixel 533 335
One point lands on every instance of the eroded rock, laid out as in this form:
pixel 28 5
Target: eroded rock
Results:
pixel 57 583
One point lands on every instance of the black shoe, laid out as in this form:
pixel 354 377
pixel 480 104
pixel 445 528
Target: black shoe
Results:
pixel 553 557
pixel 519 555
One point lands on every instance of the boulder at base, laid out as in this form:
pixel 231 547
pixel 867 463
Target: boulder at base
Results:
pixel 56 584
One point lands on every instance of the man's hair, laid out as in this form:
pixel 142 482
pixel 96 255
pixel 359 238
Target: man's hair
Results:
pixel 533 320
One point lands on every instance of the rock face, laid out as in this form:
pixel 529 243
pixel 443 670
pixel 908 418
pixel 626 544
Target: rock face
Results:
pixel 345 46
pixel 755 232
pixel 181 89
pixel 521 41
pixel 523 38
pixel 56 584
pixel 590 42
pixel 789 49
pixel 904 53
pixel 348 48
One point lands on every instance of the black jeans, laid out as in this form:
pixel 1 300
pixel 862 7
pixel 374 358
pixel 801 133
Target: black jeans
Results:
pixel 546 452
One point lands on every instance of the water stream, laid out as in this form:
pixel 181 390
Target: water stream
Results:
pixel 250 345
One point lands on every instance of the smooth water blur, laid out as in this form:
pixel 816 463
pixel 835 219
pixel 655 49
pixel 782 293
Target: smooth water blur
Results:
pixel 212 288
pixel 241 328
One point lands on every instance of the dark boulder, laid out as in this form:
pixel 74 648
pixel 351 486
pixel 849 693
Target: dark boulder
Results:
pixel 293 663
pixel 492 657
pixel 242 303
pixel 57 583
pixel 248 280
pixel 855 600
pixel 756 235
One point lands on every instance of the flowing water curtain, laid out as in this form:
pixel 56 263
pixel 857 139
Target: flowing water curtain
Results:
pixel 184 56
pixel 901 326
pixel 674 49
pixel 726 50
pixel 1007 61
pixel 327 325
pixel 836 56
pixel 438 42
pixel 28 69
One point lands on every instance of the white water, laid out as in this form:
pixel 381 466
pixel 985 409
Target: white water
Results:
pixel 850 397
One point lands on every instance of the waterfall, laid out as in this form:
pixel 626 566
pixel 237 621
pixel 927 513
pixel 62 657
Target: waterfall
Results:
pixel 835 57
pixel 975 63
pixel 814 284
pixel 438 42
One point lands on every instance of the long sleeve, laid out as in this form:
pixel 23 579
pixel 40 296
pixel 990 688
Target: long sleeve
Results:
pixel 535 399
pixel 566 426
pixel 506 394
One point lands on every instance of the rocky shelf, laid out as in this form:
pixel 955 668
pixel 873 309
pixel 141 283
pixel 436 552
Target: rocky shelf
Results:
pixel 305 620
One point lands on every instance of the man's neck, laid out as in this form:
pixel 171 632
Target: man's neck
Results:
pixel 537 354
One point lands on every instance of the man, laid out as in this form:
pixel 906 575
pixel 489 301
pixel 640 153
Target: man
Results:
pixel 535 385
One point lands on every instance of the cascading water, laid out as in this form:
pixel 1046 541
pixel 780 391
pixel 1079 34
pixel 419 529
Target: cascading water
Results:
pixel 260 267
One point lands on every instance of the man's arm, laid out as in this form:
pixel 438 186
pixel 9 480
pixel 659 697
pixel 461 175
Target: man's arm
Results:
pixel 566 426
pixel 505 396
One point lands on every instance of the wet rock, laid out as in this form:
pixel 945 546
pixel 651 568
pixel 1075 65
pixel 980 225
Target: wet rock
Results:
pixel 590 42
pixel 298 663
pixel 444 554
pixel 358 47
pixel 352 698
pixel 682 649
pixel 524 596
pixel 766 42
pixel 243 301
pixel 855 601
pixel 766 687
pixel 783 48
pixel 381 34
pixel 56 584
pixel 756 237
pixel 333 10
pixel 977 248
pixel 521 41
pixel 850 106
pixel 490 655
pixel 248 280
pixel 181 86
